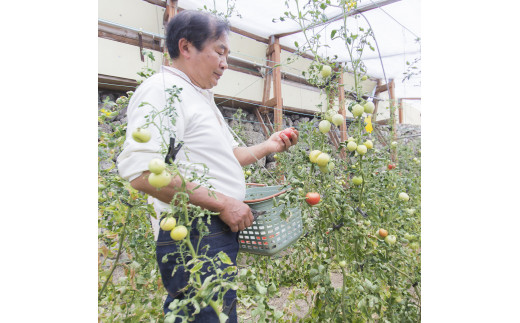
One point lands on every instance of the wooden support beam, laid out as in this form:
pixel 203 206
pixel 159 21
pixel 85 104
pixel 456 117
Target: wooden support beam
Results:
pixel 391 87
pixel 116 83
pixel 261 121
pixel 400 104
pixel 381 87
pixel 169 13
pixel 343 112
pixel 128 36
pixel 334 138
pixel 277 84
pixel 376 102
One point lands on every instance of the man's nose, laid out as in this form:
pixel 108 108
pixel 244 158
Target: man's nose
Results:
pixel 223 63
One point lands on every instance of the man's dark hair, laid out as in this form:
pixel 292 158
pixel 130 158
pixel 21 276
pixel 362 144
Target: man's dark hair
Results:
pixel 196 27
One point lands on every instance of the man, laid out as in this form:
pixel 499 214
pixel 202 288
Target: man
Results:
pixel 199 46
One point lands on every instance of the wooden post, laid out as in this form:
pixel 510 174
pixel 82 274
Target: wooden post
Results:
pixel 376 102
pixel 400 111
pixel 267 80
pixel 391 87
pixel 169 13
pixel 343 112
pixel 277 83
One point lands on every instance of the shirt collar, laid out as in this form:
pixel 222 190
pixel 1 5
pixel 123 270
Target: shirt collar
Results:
pixel 173 70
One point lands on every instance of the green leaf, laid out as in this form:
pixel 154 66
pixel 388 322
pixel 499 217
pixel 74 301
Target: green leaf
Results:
pixel 224 258
pixel 197 267
pixel 296 44
pixel 332 33
pixel 261 289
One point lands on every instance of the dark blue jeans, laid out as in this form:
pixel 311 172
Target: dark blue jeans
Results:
pixel 220 238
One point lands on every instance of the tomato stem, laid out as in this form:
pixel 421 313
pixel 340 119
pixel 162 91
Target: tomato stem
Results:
pixel 119 251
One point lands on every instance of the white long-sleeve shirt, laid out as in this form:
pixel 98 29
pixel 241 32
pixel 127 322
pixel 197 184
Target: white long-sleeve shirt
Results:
pixel 199 125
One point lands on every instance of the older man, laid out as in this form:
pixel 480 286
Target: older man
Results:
pixel 198 44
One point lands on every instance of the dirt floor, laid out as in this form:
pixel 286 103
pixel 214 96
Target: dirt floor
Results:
pixel 281 301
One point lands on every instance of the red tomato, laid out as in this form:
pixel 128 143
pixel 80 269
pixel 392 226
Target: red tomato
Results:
pixel 312 198
pixel 391 166
pixel 288 132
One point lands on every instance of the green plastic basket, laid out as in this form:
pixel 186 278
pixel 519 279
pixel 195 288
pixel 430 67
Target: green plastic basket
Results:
pixel 269 233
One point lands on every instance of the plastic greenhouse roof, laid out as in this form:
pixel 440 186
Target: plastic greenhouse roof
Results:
pixel 396 27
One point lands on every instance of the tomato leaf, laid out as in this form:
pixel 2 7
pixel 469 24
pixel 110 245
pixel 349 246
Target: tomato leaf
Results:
pixel 224 258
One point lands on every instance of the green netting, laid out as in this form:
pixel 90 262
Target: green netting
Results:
pixel 269 233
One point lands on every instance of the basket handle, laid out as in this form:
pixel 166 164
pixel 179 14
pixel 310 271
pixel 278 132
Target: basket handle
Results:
pixel 265 198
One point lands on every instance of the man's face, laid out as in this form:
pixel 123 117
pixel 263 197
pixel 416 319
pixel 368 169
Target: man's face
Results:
pixel 209 64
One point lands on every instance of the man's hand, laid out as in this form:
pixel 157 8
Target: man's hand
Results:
pixel 279 142
pixel 236 214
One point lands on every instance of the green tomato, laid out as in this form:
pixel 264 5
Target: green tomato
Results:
pixel 179 233
pixel 323 159
pixel 361 149
pixel 369 144
pixel 351 146
pixel 156 166
pixel 364 78
pixel 313 155
pixel 357 110
pixel 357 180
pixel 141 135
pixel 409 237
pixel 326 70
pixel 248 172
pixel 414 245
pixel 391 239
pixel 342 264
pixel 393 144
pixel 331 165
pixel 168 223
pixel 276 157
pixel 337 119
pixel 324 126
pixel 404 197
pixel 369 107
pixel 328 115
pixel 159 180
pixel 351 139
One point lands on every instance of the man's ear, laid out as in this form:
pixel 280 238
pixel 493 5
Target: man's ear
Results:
pixel 185 48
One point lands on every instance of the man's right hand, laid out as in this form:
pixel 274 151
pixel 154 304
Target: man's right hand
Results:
pixel 236 214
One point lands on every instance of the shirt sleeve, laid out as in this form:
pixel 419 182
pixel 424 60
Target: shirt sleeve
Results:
pixel 144 106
